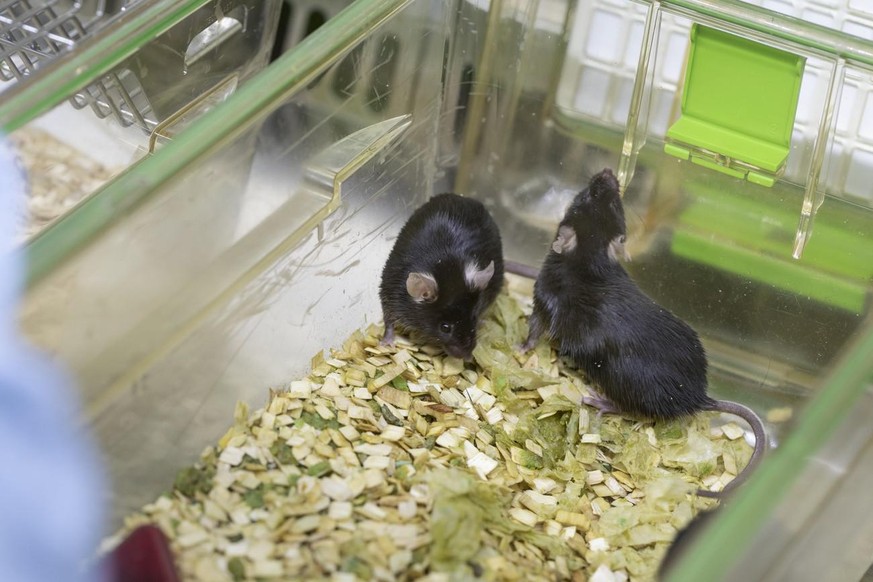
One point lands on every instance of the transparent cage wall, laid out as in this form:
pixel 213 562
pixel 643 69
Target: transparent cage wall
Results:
pixel 143 72
pixel 150 289
pixel 263 226
pixel 168 63
pixel 598 76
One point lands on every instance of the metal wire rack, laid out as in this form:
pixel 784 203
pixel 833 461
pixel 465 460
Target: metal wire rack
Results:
pixel 33 32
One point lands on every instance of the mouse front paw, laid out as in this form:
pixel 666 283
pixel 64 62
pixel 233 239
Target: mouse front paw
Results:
pixel 603 405
pixel 388 337
pixel 522 348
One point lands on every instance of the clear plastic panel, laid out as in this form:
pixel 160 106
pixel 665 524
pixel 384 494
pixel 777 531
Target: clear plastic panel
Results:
pixel 193 302
pixel 851 17
pixel 721 252
pixel 830 518
pixel 727 241
pixel 803 499
pixel 125 92
pixel 773 325
pixel 255 238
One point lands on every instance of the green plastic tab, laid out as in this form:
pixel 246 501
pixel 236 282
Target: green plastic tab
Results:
pixel 677 151
pixel 738 105
pixel 761 179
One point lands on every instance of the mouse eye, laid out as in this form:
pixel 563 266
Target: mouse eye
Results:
pixel 446 327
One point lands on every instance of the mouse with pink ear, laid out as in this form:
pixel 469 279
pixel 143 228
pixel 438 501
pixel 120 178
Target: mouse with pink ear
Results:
pixel 645 362
pixel 445 269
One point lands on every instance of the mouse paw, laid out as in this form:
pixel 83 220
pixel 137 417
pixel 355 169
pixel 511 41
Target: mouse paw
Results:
pixel 603 405
pixel 388 337
pixel 525 347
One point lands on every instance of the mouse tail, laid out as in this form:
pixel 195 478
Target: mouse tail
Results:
pixel 521 270
pixel 761 443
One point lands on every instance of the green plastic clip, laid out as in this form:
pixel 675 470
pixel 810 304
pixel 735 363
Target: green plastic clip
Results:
pixel 738 106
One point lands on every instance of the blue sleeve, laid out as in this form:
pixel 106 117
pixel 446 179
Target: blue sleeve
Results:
pixel 51 480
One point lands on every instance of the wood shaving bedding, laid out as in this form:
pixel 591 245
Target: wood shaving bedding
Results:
pixel 404 464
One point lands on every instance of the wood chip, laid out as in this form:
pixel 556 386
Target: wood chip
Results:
pixel 395 397
pixel 301 389
pixel 732 431
pixel 572 518
pixel 778 415
pixel 59 176
pixel 523 516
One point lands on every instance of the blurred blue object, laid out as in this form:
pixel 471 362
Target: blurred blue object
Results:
pixel 52 485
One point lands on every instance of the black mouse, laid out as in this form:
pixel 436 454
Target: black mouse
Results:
pixel 683 539
pixel 645 362
pixel 445 269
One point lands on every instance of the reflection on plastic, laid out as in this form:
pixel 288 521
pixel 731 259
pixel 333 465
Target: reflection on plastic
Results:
pixel 210 38
pixel 339 161
pixel 177 122
pixel 169 323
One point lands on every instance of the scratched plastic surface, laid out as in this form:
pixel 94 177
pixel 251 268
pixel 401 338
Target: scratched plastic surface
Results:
pixel 195 300
pixel 87 115
pixel 262 230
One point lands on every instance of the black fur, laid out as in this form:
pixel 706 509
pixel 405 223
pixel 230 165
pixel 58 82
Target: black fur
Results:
pixel 646 361
pixel 440 238
pixel 683 539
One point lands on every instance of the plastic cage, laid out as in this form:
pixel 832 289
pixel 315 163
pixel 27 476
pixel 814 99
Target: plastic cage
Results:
pixel 217 267
pixel 139 71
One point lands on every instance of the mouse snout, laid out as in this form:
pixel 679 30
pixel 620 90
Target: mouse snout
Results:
pixel 460 350
pixel 457 352
pixel 457 331
pixel 461 345
pixel 605 180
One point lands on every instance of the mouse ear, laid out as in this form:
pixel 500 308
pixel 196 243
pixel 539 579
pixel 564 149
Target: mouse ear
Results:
pixel 565 241
pixel 617 249
pixel 476 278
pixel 422 287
